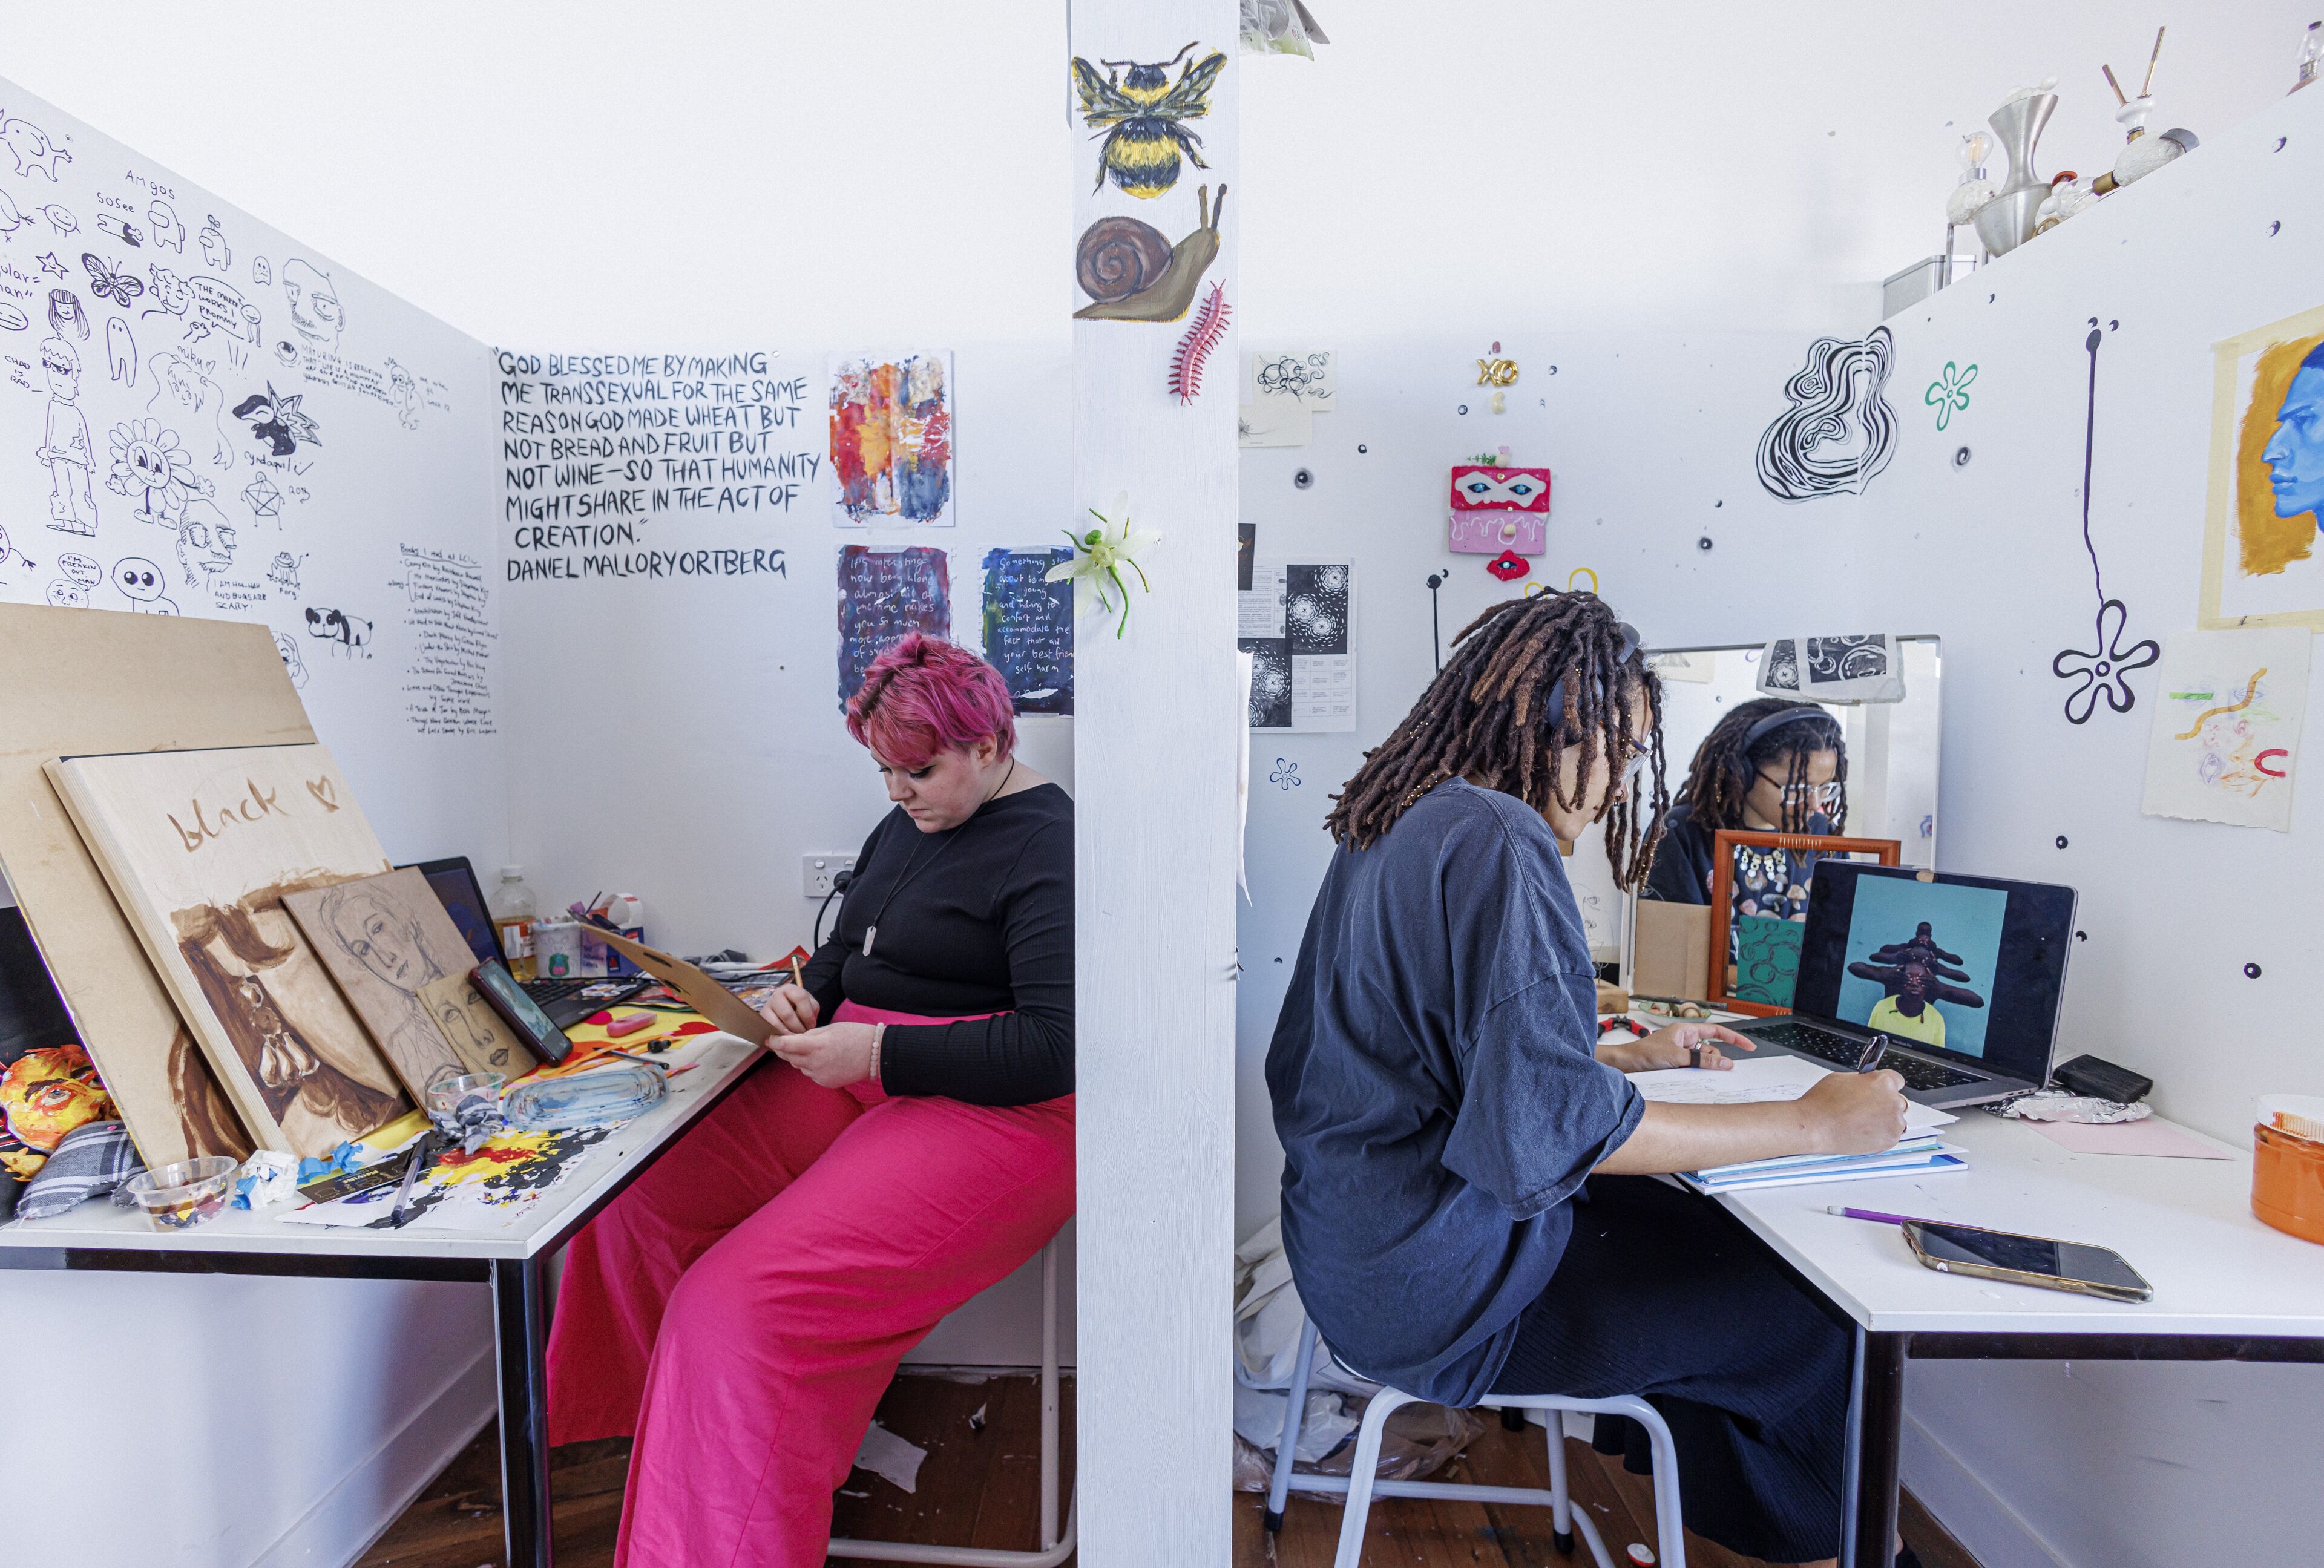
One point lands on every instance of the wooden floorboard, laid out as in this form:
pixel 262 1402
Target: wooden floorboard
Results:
pixel 982 1488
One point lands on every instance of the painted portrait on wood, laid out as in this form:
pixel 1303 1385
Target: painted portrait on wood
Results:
pixel 2262 562
pixel 199 849
pixel 403 966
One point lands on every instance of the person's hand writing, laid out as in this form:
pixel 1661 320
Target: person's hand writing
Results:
pixel 1688 1045
pixel 1855 1112
pixel 834 1057
pixel 791 1011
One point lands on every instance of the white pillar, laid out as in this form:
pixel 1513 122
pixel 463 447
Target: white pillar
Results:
pixel 1155 733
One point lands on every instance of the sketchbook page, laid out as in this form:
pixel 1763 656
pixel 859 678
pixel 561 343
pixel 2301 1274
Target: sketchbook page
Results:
pixel 2228 715
pixel 1756 1082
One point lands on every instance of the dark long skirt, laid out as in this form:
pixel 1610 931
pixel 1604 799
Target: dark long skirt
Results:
pixel 1666 1295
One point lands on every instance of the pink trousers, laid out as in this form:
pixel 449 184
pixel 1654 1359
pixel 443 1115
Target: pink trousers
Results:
pixel 741 1307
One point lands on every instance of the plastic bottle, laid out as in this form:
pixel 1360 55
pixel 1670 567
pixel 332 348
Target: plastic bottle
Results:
pixel 2311 55
pixel 513 909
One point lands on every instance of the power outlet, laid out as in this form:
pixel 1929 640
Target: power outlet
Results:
pixel 817 872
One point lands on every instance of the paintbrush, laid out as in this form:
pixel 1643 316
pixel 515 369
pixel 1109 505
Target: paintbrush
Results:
pixel 2115 85
pixel 2148 89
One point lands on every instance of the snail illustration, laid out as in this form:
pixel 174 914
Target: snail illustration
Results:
pixel 1118 250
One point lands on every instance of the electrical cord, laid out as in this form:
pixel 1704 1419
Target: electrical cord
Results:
pixel 838 885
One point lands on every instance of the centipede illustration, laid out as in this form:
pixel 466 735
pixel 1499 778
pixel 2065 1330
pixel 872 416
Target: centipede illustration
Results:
pixel 1203 335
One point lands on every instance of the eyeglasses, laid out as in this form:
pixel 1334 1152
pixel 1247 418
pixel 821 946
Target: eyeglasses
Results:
pixel 1818 794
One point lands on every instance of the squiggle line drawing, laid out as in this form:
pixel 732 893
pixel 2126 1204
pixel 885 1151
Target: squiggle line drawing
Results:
pixel 1838 402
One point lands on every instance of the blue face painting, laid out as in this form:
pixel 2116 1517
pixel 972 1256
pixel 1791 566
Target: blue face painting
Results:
pixel 2295 454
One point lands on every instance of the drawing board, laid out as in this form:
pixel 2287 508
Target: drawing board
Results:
pixel 199 848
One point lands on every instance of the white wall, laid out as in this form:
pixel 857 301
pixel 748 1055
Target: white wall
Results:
pixel 265 1421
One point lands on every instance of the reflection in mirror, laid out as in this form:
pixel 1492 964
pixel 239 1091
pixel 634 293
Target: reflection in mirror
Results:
pixel 1864 770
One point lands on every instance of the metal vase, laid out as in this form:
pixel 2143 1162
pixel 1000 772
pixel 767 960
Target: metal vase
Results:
pixel 2007 221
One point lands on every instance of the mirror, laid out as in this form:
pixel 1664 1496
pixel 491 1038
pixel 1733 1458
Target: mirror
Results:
pixel 1890 750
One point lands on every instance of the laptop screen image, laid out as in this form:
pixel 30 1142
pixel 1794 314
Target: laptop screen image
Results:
pixel 1969 967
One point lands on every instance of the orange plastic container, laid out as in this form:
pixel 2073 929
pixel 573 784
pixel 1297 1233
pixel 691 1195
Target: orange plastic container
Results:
pixel 2288 1165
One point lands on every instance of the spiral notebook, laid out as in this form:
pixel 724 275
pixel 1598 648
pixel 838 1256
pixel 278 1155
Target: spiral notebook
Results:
pixel 1921 1151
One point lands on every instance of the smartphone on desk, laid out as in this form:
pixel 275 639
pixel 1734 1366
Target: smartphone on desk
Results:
pixel 535 1028
pixel 2035 1261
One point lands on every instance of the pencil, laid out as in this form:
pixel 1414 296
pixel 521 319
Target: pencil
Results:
pixel 797 978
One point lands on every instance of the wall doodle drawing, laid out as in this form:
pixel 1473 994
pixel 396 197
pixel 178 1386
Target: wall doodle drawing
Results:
pixel 141 583
pixel 315 311
pixel 120 351
pixel 172 297
pixel 60 220
pixel 288 647
pixel 35 153
pixel 11 220
pixel 108 284
pixel 65 312
pixel 70 591
pixel 65 446
pixel 215 250
pixel 168 232
pixel 340 632
pixel 51 266
pixel 10 557
pixel 180 388
pixel 1839 432
pixel 276 419
pixel 152 470
pixel 2105 667
pixel 260 273
pixel 206 548
pixel 122 229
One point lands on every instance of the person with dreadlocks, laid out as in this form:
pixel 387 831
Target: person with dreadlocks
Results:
pixel 1466 1205
pixel 1770 766
pixel 740 1308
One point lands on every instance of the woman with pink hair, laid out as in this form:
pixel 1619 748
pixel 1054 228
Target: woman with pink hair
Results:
pixel 740 1308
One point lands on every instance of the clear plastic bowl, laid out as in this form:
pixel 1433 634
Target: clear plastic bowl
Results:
pixel 184 1194
pixel 600 1097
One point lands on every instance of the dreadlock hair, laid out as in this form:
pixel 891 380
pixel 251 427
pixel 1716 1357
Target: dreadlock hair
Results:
pixel 1487 716
pixel 1730 761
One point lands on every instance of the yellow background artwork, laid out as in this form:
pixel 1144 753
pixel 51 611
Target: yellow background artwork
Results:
pixel 2259 570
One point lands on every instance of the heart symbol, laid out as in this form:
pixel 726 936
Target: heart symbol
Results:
pixel 326 793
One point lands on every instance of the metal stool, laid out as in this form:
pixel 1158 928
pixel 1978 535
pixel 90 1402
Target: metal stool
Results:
pixel 1056 1545
pixel 1360 1485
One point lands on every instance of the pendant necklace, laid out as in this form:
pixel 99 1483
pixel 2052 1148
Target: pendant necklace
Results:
pixel 913 868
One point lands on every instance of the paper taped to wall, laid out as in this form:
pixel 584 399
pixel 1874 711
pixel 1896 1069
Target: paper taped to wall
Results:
pixel 2228 716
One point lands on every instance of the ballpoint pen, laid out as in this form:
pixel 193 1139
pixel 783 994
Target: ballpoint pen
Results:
pixel 1872 1057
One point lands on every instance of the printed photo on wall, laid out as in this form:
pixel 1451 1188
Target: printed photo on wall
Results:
pixel 2227 726
pixel 1028 628
pixel 2261 566
pixel 1296 622
pixel 199 849
pixel 884 593
pixel 891 440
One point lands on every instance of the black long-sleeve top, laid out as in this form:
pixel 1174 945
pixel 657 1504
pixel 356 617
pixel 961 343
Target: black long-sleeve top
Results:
pixel 977 920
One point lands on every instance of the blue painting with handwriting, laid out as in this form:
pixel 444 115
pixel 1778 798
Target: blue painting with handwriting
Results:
pixel 884 595
pixel 1028 628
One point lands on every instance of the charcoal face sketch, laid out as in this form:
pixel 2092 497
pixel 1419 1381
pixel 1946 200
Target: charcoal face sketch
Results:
pixel 108 284
pixel 288 647
pixel 345 633
pixel 276 420
pixel 120 351
pixel 141 583
pixel 1840 431
pixel 314 300
pixel 2105 667
pixel 152 469
pixel 35 153
pixel 65 445
pixel 168 232
pixel 67 312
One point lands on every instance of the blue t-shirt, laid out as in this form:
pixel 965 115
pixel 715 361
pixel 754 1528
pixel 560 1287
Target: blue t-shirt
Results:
pixel 1436 1092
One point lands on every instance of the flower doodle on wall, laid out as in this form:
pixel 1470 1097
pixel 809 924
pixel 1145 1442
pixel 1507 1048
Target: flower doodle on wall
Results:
pixel 1949 392
pixel 1099 556
pixel 2103 669
pixel 1285 776
pixel 151 469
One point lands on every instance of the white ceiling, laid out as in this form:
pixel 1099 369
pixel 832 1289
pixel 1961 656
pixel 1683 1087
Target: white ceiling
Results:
pixel 592 172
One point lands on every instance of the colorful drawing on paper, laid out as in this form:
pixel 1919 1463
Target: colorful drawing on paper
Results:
pixel 1028 628
pixel 883 595
pixel 2227 726
pixel 1766 960
pixel 496 1189
pixel 891 440
pixel 1838 432
pixel 2105 667
pixel 1141 117
pixel 2261 566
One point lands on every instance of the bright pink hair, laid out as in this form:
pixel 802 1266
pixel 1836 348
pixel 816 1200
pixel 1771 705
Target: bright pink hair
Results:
pixel 924 694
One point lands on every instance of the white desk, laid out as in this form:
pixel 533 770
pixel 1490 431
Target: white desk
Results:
pixel 2226 1287
pixel 101 1237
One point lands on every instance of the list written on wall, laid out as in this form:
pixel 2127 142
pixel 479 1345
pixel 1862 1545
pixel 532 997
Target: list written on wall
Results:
pixel 447 687
pixel 640 465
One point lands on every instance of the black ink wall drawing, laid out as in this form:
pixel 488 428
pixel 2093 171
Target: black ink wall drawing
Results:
pixel 1840 431
pixel 2103 670
pixel 275 419
pixel 346 633
pixel 35 153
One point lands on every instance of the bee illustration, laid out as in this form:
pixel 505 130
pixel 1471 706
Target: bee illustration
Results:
pixel 1140 113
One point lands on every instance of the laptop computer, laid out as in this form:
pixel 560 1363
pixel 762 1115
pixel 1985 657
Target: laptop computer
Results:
pixel 565 1000
pixel 1963 974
